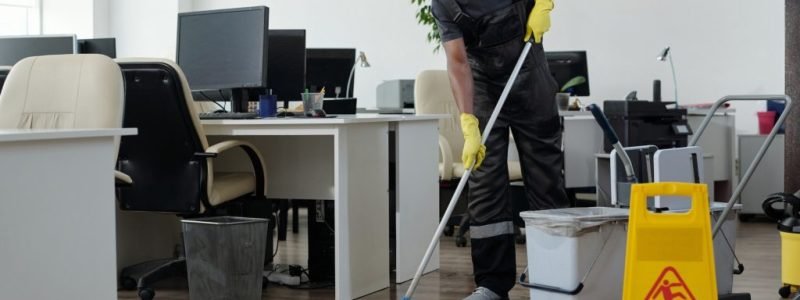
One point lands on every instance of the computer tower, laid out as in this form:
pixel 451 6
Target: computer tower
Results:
pixel 321 264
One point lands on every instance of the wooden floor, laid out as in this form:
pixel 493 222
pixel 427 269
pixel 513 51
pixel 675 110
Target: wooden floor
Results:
pixel 758 246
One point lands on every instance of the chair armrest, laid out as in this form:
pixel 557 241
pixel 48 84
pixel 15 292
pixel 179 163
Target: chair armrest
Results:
pixel 446 152
pixel 122 179
pixel 255 158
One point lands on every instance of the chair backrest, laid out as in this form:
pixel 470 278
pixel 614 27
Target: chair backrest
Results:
pixel 167 175
pixel 432 95
pixel 63 91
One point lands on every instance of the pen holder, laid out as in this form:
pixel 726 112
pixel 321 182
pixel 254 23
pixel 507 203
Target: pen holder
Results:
pixel 311 102
pixel 267 106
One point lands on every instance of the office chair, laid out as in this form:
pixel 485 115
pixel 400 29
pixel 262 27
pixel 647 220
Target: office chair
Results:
pixel 432 95
pixel 172 165
pixel 62 91
pixel 3 74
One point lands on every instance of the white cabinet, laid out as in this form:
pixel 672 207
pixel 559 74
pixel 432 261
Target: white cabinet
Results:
pixel 768 175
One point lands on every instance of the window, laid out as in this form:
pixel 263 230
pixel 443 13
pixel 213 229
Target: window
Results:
pixel 20 17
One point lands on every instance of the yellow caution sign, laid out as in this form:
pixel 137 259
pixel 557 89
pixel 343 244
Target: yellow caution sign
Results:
pixel 669 255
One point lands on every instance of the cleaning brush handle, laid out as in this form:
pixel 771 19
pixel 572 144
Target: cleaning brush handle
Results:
pixel 601 119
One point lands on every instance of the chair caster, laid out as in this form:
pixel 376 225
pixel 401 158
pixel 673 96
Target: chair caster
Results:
pixel 128 283
pixel 785 291
pixel 461 241
pixel 520 239
pixel 147 294
pixel 448 230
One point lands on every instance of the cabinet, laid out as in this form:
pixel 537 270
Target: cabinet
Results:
pixel 768 176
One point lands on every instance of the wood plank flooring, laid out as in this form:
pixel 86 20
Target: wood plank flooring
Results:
pixel 758 246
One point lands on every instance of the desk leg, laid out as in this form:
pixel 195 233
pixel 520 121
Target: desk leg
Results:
pixel 361 204
pixel 417 195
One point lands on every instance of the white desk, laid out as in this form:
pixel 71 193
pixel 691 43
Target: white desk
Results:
pixel 57 218
pixel 347 159
pixel 582 138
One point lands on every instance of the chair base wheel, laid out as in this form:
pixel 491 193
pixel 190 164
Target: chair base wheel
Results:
pixel 128 283
pixel 785 291
pixel 147 294
pixel 448 230
pixel 461 241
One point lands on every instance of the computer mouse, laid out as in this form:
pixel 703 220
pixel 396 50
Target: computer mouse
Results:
pixel 220 111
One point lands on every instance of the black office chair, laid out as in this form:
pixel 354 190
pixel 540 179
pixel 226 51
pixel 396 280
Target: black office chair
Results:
pixel 171 164
pixel 4 70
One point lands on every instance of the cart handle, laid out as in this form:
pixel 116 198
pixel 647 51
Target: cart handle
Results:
pixel 759 155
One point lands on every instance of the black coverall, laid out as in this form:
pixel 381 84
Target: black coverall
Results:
pixel 494 43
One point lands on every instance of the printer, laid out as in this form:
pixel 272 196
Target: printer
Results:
pixel 639 122
pixel 395 94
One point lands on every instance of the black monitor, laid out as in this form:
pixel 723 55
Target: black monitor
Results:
pixel 567 65
pixel 225 49
pixel 15 48
pixel 287 64
pixel 105 46
pixel 3 74
pixel 329 68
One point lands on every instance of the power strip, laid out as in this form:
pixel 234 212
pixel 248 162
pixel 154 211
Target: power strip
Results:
pixel 290 275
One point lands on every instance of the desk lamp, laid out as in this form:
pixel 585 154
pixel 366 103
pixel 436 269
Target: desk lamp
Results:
pixel 663 56
pixel 362 59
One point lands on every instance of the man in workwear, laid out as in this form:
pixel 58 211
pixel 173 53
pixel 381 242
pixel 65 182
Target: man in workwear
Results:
pixel 483 40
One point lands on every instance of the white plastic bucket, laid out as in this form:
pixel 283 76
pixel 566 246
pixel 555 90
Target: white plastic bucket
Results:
pixel 564 244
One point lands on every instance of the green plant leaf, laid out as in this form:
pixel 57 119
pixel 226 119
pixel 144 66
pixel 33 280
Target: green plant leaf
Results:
pixel 575 81
pixel 425 18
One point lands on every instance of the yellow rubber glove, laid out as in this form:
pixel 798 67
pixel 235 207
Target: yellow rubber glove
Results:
pixel 473 149
pixel 539 20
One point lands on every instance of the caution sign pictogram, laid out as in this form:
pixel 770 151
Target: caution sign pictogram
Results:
pixel 669 286
pixel 669 255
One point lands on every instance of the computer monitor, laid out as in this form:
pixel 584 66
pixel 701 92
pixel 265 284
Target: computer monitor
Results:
pixel 4 70
pixel 287 64
pixel 225 49
pixel 329 68
pixel 566 65
pixel 15 48
pixel 104 46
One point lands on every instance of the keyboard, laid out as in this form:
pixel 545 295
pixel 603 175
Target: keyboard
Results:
pixel 228 116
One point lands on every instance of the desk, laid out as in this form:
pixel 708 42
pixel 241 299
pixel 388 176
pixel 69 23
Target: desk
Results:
pixel 58 230
pixel 346 159
pixel 582 138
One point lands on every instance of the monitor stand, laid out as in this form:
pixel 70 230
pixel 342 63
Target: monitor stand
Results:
pixel 241 97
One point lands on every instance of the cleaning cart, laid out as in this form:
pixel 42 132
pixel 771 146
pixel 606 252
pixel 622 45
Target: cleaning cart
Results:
pixel 788 218
pixel 721 215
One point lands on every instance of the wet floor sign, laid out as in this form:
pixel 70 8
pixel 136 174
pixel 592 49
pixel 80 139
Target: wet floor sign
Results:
pixel 669 255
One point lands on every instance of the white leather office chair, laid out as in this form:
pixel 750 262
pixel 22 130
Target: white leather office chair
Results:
pixel 172 163
pixel 432 95
pixel 63 91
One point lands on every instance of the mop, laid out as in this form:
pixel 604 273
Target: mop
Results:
pixel 463 182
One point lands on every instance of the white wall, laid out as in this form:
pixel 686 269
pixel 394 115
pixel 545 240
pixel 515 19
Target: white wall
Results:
pixel 720 47
pixel 68 17
pixel 145 28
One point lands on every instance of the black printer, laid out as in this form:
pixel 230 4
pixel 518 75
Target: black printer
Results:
pixel 639 122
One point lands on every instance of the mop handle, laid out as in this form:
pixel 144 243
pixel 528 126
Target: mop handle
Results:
pixel 453 201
